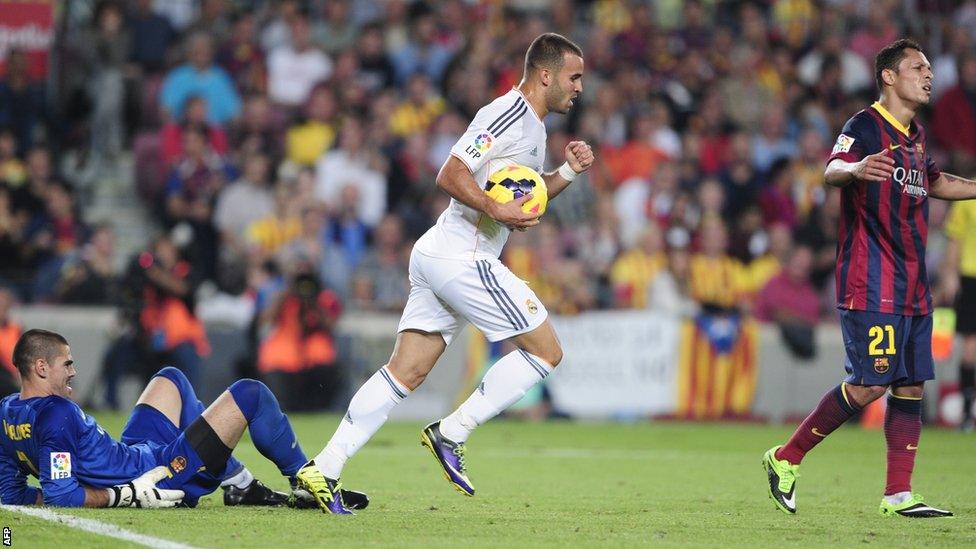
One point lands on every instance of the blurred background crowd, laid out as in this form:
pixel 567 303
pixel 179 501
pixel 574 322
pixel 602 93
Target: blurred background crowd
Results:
pixel 270 163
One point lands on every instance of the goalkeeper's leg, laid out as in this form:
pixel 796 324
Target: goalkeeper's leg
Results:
pixel 170 392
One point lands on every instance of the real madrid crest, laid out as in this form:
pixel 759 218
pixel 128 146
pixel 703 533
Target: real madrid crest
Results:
pixel 531 306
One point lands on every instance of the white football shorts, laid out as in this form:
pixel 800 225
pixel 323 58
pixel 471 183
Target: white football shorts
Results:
pixel 483 292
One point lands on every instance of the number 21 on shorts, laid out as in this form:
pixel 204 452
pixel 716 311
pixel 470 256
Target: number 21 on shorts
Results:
pixel 878 334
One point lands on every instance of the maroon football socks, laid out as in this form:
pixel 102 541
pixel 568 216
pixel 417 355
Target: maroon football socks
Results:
pixel 834 409
pixel 902 427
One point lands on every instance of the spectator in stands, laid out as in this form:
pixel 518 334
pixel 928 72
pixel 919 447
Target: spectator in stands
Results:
pixel 298 358
pixel 168 284
pixel 808 167
pixel 199 76
pixel 375 68
pixel 294 69
pixel 313 248
pixel 307 142
pixel 13 268
pixel 335 31
pixel 776 199
pixel 103 49
pixel 879 30
pixel 171 137
pixel 52 237
pixel 715 278
pixel 257 131
pixel 418 111
pixel 772 142
pixel 383 270
pixel 954 119
pixel 242 56
pixel 421 52
pixel 669 292
pixel 23 108
pixel 777 241
pixel 855 73
pixel 276 32
pixel 739 178
pixel 88 276
pixel 267 235
pixel 191 193
pixel 10 331
pixel 213 19
pixel 636 268
pixel 242 203
pixel 13 172
pixel 638 157
pixel 151 36
pixel 791 301
pixel 29 199
pixel 354 163
pixel 346 229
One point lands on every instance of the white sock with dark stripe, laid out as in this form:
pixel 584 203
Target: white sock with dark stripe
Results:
pixel 504 384
pixel 367 412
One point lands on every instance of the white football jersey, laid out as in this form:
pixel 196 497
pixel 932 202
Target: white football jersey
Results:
pixel 505 132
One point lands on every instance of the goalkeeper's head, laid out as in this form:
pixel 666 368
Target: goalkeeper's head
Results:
pixel 43 359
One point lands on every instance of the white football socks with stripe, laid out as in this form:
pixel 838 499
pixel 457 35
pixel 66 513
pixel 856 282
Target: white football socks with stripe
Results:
pixel 367 412
pixel 503 385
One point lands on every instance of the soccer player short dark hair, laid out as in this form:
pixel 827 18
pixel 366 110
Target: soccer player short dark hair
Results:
pixel 547 50
pixel 35 344
pixel 890 56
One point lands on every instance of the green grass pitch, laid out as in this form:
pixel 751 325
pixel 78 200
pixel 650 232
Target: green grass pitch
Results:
pixel 556 484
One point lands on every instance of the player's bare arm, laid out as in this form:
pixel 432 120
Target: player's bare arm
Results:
pixel 953 187
pixel 579 158
pixel 873 168
pixel 456 180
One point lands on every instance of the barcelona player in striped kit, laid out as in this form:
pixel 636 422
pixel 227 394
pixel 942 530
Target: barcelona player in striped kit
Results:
pixel 882 163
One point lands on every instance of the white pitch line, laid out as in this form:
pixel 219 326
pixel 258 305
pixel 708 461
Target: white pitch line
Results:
pixel 95 527
pixel 558 453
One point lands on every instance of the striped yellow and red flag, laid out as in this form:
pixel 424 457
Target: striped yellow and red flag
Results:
pixel 717 379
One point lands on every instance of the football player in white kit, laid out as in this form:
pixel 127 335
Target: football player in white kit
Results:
pixel 455 275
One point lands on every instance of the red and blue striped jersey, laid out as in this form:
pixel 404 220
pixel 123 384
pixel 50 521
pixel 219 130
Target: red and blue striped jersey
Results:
pixel 884 226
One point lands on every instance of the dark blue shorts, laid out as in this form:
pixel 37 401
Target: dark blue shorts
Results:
pixel 148 426
pixel 887 349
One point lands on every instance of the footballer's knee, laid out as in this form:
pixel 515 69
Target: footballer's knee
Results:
pixel 250 394
pixel 173 374
pixel 908 391
pixel 866 394
pixel 411 375
pixel 553 355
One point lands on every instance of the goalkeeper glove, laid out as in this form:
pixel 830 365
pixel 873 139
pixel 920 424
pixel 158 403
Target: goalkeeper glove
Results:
pixel 142 492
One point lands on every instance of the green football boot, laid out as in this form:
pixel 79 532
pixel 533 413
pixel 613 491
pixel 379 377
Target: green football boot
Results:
pixel 913 507
pixel 782 480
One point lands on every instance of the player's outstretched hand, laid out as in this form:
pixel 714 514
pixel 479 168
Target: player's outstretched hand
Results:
pixel 511 215
pixel 142 492
pixel 876 167
pixel 579 156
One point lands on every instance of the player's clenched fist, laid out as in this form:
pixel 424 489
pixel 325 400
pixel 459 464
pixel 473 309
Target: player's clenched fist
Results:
pixel 579 156
pixel 876 167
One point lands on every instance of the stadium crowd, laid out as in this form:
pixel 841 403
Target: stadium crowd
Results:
pixel 291 147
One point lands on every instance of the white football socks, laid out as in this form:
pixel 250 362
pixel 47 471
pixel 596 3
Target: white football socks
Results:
pixel 241 480
pixel 503 385
pixel 367 412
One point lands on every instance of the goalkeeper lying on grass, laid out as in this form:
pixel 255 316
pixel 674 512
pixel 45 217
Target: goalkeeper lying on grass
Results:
pixel 172 451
